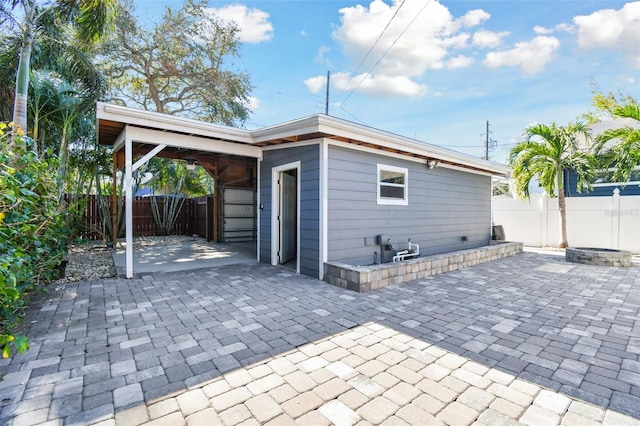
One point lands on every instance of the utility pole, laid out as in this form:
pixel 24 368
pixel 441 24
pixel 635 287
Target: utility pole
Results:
pixel 489 144
pixel 486 143
pixel 326 101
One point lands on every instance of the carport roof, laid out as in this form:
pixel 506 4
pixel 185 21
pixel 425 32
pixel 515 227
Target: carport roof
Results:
pixel 113 119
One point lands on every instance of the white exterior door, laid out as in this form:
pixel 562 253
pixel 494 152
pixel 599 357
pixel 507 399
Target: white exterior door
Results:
pixel 287 219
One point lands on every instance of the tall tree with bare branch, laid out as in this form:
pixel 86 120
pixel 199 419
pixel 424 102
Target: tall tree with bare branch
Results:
pixel 179 66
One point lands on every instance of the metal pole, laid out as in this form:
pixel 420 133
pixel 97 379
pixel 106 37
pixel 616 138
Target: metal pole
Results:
pixel 326 102
pixel 486 143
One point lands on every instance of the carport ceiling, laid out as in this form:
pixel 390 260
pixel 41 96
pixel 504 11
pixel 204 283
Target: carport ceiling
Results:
pixel 218 149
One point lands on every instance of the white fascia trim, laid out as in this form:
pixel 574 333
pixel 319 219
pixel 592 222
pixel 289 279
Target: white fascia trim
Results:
pixel 319 123
pixel 170 122
pixel 286 130
pixel 347 129
pixel 157 137
pixel 292 145
pixel 463 169
pixel 368 150
pixel 402 157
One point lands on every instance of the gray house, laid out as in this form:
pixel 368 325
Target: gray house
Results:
pixel 327 189
pixel 335 186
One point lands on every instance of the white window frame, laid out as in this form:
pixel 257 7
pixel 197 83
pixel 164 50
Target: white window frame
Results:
pixel 392 201
pixel 627 183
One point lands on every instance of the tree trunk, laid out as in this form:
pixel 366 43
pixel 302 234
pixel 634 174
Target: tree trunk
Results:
pixel 563 210
pixel 63 156
pixel 24 67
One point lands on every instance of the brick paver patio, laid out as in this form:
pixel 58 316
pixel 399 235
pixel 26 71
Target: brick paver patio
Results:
pixel 530 339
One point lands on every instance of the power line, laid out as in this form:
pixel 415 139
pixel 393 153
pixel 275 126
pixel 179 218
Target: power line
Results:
pixel 386 52
pixel 374 44
pixel 352 116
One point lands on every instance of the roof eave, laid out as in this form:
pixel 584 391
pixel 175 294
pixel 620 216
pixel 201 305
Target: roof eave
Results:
pixel 171 123
pixel 333 126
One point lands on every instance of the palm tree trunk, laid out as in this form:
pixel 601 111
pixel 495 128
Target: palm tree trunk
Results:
pixel 63 158
pixel 563 209
pixel 24 67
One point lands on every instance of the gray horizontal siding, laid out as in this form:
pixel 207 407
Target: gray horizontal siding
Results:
pixel 444 205
pixel 309 203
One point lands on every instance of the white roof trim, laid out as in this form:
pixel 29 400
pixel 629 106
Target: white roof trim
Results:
pixel 346 129
pixel 139 134
pixel 319 123
pixel 172 123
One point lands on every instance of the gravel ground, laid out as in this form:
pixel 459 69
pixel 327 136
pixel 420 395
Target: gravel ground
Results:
pixel 93 259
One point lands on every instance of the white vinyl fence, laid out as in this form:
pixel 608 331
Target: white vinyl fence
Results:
pixel 604 222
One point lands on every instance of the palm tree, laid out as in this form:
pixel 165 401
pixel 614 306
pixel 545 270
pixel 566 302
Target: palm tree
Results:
pixel 90 18
pixel 625 154
pixel 545 154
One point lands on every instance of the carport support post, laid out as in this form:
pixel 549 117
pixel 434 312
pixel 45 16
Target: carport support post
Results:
pixel 114 201
pixel 128 179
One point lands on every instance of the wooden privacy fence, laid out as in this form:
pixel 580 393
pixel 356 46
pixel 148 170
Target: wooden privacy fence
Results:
pixel 192 218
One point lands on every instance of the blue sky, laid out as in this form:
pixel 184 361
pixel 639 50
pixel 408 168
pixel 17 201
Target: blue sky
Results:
pixel 440 70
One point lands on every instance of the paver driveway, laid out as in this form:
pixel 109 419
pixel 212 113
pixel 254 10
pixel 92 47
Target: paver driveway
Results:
pixel 529 339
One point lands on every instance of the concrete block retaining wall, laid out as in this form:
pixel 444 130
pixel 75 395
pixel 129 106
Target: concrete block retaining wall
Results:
pixel 366 278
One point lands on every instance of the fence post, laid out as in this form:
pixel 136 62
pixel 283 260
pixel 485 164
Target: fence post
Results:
pixel 615 219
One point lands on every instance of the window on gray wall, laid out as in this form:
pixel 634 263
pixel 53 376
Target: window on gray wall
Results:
pixel 393 185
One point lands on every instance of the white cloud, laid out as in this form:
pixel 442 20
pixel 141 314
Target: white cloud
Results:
pixel 315 84
pixel 422 36
pixel 253 24
pixel 474 18
pixel 378 84
pixel 252 103
pixel 530 56
pixel 616 30
pixel 321 56
pixel 542 30
pixel 560 27
pixel 459 62
pixel 489 39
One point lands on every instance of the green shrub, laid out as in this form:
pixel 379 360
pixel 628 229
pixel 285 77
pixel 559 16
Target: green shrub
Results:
pixel 32 231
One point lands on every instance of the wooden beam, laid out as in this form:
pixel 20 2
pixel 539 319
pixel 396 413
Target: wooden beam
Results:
pixel 195 143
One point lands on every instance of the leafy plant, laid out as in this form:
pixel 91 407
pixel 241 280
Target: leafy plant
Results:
pixel 33 231
pixel 104 208
pixel 171 206
pixel 89 19
pixel 620 147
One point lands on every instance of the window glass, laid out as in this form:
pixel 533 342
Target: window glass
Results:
pixel 387 176
pixel 392 185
